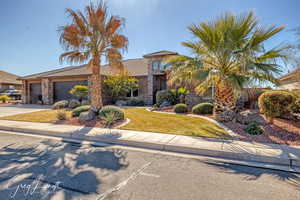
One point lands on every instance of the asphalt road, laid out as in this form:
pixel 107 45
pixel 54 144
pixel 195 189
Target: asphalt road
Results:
pixel 34 168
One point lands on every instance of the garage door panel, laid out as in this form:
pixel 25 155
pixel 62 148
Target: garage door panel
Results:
pixel 35 93
pixel 62 89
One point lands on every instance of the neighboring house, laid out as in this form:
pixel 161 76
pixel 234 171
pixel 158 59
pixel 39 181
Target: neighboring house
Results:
pixel 52 86
pixel 9 81
pixel 290 81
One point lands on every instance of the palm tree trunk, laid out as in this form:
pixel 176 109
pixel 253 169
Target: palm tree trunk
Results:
pixel 224 100
pixel 96 93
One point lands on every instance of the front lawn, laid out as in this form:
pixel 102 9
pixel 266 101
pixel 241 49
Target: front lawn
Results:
pixel 143 120
pixel 43 116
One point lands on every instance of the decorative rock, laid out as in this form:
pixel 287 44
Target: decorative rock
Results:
pixel 164 104
pixel 87 116
pixel 74 103
pixel 227 116
pixel 121 103
pixel 248 117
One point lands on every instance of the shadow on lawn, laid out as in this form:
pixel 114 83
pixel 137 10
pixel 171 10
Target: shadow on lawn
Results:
pixel 68 170
pixel 253 173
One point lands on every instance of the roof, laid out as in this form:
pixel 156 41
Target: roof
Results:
pixel 135 67
pixel 160 53
pixel 290 74
pixel 9 78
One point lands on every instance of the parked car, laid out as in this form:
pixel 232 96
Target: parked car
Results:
pixel 13 94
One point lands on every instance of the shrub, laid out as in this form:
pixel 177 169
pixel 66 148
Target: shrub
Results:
pixel 85 102
pixel 109 119
pixel 172 96
pixel 135 102
pixel 80 91
pixel 119 114
pixel 4 98
pixel 74 103
pixel 276 103
pixel 60 105
pixel 254 129
pixel 203 108
pixel 61 115
pixel 180 108
pixel 296 106
pixel 76 112
pixel 162 96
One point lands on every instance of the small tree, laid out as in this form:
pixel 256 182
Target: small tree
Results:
pixel 119 85
pixel 80 91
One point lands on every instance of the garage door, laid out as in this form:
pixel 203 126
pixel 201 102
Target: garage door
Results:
pixel 61 89
pixel 35 93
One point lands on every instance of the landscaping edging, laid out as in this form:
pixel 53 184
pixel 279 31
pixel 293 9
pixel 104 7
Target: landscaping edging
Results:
pixel 227 149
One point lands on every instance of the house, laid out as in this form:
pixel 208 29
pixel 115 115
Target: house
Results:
pixel 9 81
pixel 290 81
pixel 52 86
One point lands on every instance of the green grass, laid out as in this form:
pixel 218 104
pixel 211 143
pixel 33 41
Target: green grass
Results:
pixel 44 116
pixel 143 120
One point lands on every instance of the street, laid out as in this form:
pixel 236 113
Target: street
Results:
pixel 39 168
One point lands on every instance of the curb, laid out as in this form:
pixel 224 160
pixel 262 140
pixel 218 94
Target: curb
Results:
pixel 261 165
pixel 109 139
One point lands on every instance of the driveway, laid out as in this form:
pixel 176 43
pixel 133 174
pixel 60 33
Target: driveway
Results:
pixel 7 110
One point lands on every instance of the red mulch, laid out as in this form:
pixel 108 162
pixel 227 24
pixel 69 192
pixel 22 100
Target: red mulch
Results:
pixel 94 123
pixel 282 131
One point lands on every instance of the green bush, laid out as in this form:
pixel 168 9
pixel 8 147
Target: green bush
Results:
pixel 4 98
pixel 254 129
pixel 119 113
pixel 76 112
pixel 85 102
pixel 180 108
pixel 60 105
pixel 296 106
pixel 162 96
pixel 276 103
pixel 203 108
pixel 80 91
pixel 74 103
pixel 61 115
pixel 135 102
pixel 109 119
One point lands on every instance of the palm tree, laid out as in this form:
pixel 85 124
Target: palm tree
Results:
pixel 91 36
pixel 229 54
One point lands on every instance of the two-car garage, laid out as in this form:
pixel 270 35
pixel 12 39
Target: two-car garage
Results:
pixel 60 90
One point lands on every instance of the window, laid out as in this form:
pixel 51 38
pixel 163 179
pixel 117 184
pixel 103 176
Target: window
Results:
pixel 133 93
pixel 156 65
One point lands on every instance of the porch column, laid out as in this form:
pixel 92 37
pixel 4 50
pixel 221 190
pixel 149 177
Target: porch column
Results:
pixel 47 91
pixel 150 83
pixel 24 92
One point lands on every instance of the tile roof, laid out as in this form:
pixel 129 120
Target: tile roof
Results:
pixel 160 53
pixel 136 67
pixel 9 78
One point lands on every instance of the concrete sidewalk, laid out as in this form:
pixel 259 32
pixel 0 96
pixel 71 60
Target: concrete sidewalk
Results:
pixel 229 149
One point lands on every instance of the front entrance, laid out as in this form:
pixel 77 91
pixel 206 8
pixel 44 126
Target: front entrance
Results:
pixel 62 89
pixel 35 93
pixel 159 83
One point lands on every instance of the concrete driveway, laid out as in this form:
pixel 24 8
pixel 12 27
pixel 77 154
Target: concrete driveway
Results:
pixel 8 110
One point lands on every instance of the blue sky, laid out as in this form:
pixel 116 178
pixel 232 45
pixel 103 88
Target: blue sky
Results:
pixel 29 38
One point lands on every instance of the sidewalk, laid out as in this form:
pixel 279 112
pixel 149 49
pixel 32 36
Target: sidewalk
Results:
pixel 229 149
